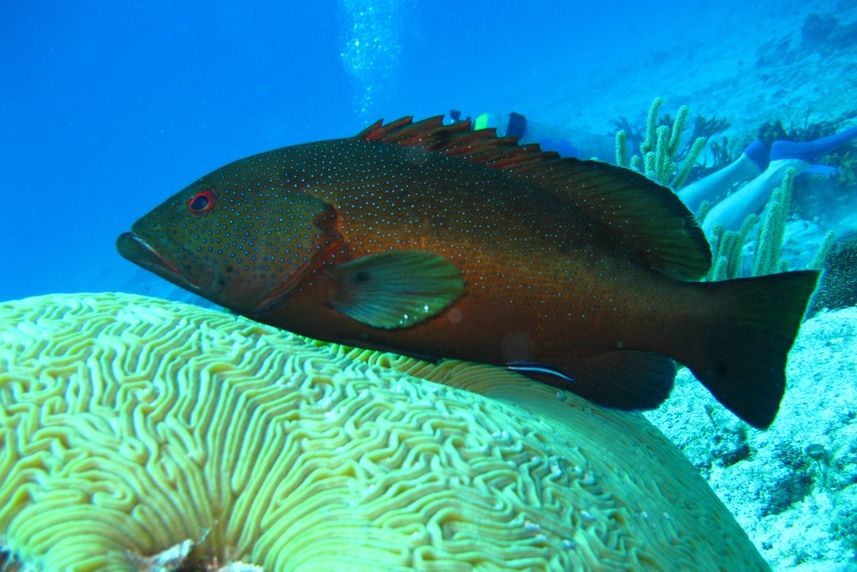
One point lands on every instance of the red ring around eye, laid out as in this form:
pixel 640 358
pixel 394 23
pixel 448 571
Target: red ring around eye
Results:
pixel 201 202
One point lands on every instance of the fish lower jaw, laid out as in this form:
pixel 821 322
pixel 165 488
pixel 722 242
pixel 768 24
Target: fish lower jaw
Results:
pixel 137 250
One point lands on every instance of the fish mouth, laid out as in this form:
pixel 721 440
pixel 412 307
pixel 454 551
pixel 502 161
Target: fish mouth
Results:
pixel 134 248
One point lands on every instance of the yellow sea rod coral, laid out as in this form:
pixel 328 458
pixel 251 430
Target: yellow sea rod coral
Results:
pixel 132 426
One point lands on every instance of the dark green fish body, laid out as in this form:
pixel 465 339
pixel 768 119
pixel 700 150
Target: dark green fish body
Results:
pixel 489 230
pixel 437 240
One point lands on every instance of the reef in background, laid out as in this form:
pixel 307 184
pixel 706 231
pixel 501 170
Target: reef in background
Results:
pixel 794 486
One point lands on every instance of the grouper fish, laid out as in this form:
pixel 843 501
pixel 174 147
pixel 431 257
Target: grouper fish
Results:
pixel 447 242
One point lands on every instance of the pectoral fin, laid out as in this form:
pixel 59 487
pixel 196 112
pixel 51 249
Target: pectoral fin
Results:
pixel 396 289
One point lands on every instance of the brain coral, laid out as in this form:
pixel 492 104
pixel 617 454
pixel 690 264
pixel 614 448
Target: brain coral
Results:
pixel 144 434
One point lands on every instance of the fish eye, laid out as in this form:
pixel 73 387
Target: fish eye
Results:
pixel 201 202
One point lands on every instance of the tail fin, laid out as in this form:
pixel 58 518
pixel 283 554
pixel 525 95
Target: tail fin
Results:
pixel 743 356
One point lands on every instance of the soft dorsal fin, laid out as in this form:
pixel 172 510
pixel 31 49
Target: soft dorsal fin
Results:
pixel 646 217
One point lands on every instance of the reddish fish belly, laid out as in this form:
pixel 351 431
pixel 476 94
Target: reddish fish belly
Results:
pixel 527 318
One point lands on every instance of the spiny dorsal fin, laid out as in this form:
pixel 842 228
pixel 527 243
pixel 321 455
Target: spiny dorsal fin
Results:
pixel 645 216
pixel 457 140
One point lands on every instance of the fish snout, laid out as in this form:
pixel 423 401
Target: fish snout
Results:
pixel 133 247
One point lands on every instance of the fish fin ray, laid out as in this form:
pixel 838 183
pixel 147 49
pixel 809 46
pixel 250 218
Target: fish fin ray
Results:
pixel 620 379
pixel 742 359
pixel 646 217
pixel 397 289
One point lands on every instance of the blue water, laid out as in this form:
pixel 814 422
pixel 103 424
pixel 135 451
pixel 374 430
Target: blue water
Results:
pixel 110 107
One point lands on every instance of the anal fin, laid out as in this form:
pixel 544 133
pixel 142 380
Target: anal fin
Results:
pixel 620 379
